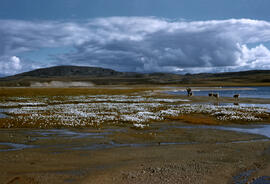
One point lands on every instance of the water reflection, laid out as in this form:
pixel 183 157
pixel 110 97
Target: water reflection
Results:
pixel 224 104
pixel 267 106
pixel 2 115
pixel 15 147
pixel 253 92
pixel 263 130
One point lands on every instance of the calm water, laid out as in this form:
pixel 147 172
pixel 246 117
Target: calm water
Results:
pixel 263 130
pixel 252 92
pixel 1 114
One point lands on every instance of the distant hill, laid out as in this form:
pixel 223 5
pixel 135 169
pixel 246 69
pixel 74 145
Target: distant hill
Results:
pixel 261 77
pixel 66 71
pixel 94 75
pixel 82 75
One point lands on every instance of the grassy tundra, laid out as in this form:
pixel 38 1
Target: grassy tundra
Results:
pixel 126 106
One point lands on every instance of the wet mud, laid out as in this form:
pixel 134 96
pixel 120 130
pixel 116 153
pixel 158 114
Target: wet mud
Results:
pixel 162 153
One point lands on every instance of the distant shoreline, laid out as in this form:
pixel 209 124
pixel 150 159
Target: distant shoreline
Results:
pixel 219 88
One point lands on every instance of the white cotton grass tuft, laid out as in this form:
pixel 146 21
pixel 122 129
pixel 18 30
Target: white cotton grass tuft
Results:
pixel 139 110
pixel 138 125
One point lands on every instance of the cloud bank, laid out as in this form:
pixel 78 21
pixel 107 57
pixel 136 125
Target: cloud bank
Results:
pixel 141 44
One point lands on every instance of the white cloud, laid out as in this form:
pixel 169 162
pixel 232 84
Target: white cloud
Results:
pixel 10 65
pixel 143 44
pixel 15 62
pixel 257 57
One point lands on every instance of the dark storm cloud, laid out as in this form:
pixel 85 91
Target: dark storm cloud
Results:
pixel 144 44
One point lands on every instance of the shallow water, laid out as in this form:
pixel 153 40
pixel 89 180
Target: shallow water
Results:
pixel 243 177
pixel 46 134
pixel 266 106
pixel 15 147
pixel 241 105
pixel 71 134
pixel 253 105
pixel 263 130
pixel 252 92
pixel 2 115
pixel 261 180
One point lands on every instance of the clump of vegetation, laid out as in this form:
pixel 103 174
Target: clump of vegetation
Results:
pixel 94 107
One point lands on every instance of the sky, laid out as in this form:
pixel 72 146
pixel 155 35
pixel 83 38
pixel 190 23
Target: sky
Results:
pixel 172 36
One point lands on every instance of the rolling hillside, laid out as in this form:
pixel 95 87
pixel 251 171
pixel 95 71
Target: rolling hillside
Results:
pixel 100 76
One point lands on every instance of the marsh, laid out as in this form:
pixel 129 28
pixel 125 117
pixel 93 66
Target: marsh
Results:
pixel 130 135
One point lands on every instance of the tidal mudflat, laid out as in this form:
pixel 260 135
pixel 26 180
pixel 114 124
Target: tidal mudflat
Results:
pixel 131 135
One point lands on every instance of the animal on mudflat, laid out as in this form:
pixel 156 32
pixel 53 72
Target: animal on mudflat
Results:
pixel 210 94
pixel 216 95
pixel 188 91
pixel 236 96
pixel 190 94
